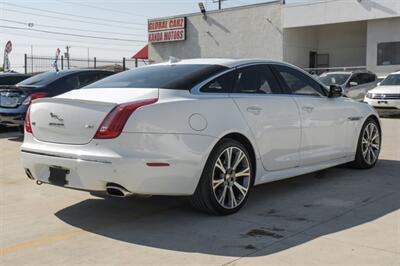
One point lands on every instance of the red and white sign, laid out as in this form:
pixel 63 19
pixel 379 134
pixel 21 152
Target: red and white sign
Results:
pixel 167 36
pixel 167 30
pixel 167 24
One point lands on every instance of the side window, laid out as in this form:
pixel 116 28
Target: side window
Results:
pixel 71 83
pixel 256 79
pixel 297 82
pixel 364 78
pixel 354 78
pixel 88 78
pixel 222 84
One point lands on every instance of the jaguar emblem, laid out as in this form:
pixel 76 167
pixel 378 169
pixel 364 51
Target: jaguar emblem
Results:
pixel 59 118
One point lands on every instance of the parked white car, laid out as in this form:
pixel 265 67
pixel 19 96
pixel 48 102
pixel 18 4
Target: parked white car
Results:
pixel 209 128
pixel 386 96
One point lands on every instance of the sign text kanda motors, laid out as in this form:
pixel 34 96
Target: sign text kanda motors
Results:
pixel 167 30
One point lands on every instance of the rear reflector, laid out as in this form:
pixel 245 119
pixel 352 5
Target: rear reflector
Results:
pixel 114 122
pixel 27 123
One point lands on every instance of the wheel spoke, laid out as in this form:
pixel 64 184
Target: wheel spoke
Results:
pixel 368 156
pixel 375 146
pixel 373 156
pixel 241 188
pixel 371 130
pixel 217 183
pixel 220 166
pixel 245 172
pixel 229 157
pixel 238 159
pixel 223 195
pixel 232 196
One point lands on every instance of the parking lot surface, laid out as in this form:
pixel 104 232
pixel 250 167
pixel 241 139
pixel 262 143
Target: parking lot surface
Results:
pixel 338 216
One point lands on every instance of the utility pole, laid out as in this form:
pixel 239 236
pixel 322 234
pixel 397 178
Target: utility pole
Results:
pixel 88 58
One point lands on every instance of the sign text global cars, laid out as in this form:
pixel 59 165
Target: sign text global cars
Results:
pixel 167 30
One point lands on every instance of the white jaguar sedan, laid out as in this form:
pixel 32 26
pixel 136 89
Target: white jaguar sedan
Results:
pixel 206 128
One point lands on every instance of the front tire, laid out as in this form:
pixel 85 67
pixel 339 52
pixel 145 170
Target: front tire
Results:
pixel 226 179
pixel 368 146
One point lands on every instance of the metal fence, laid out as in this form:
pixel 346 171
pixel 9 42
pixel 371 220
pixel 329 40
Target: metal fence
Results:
pixel 36 64
pixel 321 70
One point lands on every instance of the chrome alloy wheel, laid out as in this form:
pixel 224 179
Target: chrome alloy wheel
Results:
pixel 231 177
pixel 370 143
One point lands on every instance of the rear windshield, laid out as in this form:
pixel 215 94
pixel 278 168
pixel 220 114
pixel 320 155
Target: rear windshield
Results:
pixel 178 77
pixel 42 79
pixel 391 80
pixel 334 79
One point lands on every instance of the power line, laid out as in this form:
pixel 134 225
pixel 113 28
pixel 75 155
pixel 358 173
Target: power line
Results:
pixel 68 28
pixel 102 8
pixel 75 46
pixel 71 34
pixel 71 41
pixel 72 15
pixel 70 19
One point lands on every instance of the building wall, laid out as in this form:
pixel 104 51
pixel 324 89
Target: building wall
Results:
pixel 322 12
pixel 246 32
pixel 344 42
pixel 382 30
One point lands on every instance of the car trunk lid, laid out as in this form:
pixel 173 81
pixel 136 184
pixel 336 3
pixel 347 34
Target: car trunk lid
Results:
pixel 75 117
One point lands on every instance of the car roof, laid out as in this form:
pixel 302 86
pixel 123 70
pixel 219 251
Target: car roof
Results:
pixel 6 74
pixel 227 62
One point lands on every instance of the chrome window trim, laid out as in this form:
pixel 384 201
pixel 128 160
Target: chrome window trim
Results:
pixel 196 89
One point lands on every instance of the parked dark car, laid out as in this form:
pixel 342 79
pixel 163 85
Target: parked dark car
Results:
pixel 12 78
pixel 15 100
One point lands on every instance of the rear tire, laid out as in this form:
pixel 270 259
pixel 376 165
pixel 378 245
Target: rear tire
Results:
pixel 368 145
pixel 226 180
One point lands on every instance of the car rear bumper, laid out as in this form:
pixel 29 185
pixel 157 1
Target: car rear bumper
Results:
pixel 12 119
pixel 124 161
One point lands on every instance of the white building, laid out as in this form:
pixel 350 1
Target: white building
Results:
pixel 319 34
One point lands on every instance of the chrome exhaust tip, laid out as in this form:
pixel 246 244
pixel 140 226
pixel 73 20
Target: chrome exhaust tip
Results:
pixel 115 190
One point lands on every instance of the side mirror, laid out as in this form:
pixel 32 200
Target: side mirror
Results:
pixel 335 91
pixel 353 83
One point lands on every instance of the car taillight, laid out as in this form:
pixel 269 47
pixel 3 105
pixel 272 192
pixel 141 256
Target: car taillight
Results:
pixel 27 123
pixel 114 123
pixel 36 95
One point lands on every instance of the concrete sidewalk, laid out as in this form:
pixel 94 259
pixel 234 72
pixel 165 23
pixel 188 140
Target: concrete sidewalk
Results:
pixel 337 216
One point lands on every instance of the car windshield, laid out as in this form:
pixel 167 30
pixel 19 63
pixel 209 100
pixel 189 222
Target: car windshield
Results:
pixel 171 76
pixel 391 80
pixel 42 79
pixel 334 79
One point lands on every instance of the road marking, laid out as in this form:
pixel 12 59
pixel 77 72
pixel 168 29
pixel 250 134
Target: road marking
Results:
pixel 41 241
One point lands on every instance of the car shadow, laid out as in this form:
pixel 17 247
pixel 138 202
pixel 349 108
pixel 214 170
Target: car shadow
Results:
pixel 277 216
pixel 11 134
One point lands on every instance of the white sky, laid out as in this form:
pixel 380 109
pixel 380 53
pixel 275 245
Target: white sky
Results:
pixel 129 23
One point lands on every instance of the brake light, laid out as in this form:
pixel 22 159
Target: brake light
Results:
pixel 114 122
pixel 36 95
pixel 27 123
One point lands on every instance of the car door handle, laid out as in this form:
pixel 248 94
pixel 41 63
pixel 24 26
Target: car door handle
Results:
pixel 254 110
pixel 308 109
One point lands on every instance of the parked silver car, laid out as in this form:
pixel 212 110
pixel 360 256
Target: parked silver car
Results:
pixel 355 84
